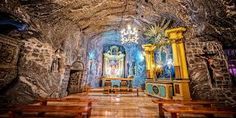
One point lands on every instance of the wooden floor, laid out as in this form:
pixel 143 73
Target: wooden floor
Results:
pixel 123 105
pixel 128 106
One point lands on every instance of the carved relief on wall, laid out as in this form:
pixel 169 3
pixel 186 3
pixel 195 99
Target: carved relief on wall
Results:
pixel 9 49
pixel 6 76
pixel 207 69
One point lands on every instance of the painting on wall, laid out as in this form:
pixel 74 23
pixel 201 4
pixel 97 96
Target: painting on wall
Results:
pixel 114 60
pixel 164 62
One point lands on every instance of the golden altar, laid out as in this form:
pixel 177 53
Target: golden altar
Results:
pixel 174 88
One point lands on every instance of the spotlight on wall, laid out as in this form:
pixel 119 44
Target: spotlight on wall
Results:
pixel 141 58
pixel 169 62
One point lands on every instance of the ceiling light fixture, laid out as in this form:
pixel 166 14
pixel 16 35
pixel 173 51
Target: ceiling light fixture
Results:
pixel 129 35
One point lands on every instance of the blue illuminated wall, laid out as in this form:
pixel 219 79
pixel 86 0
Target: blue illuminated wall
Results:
pixel 18 25
pixel 164 59
pixel 8 23
pixel 134 64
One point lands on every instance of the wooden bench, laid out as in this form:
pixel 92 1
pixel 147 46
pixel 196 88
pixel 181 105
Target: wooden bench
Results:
pixel 208 111
pixel 77 110
pixel 86 102
pixel 78 100
pixel 82 107
pixel 161 102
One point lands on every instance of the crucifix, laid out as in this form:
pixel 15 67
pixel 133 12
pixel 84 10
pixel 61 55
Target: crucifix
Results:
pixel 207 56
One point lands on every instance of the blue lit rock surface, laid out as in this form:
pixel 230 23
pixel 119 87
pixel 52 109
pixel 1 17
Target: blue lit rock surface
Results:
pixel 133 55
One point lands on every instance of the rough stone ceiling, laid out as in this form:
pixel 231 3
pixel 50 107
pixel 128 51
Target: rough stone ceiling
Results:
pixel 213 19
pixel 92 16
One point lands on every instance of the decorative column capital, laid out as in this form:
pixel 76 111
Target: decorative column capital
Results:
pixel 175 33
pixel 149 55
pixel 149 47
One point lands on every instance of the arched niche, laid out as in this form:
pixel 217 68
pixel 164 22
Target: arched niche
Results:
pixel 76 80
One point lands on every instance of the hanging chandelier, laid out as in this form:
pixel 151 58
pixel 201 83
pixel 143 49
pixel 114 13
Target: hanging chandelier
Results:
pixel 129 35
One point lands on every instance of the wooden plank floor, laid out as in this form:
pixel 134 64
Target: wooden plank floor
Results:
pixel 123 106
pixel 127 106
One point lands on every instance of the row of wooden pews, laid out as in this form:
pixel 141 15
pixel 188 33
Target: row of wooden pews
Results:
pixel 77 107
pixel 176 107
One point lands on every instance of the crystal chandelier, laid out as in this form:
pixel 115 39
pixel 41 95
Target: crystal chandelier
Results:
pixel 129 35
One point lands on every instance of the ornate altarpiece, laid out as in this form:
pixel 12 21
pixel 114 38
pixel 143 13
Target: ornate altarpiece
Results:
pixel 113 63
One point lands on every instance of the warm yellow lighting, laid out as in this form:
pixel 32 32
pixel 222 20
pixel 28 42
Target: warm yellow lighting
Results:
pixel 150 63
pixel 175 33
pixel 144 53
pixel 153 66
pixel 158 66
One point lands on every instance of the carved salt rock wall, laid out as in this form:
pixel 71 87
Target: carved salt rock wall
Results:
pixel 74 48
pixel 38 52
pixel 35 62
pixel 9 54
pixel 38 75
pixel 201 86
pixel 64 80
pixel 35 76
pixel 210 21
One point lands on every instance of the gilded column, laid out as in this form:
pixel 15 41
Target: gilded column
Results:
pixel 150 63
pixel 181 83
pixel 176 36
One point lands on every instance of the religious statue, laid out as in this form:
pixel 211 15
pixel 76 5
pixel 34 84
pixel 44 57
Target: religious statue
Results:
pixel 132 68
pixel 58 62
pixel 54 66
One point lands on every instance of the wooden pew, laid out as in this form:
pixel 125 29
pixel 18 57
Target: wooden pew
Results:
pixel 82 106
pixel 77 110
pixel 161 102
pixel 80 101
pixel 208 111
pixel 45 101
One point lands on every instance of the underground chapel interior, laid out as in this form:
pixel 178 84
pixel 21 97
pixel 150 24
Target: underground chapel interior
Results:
pixel 117 58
